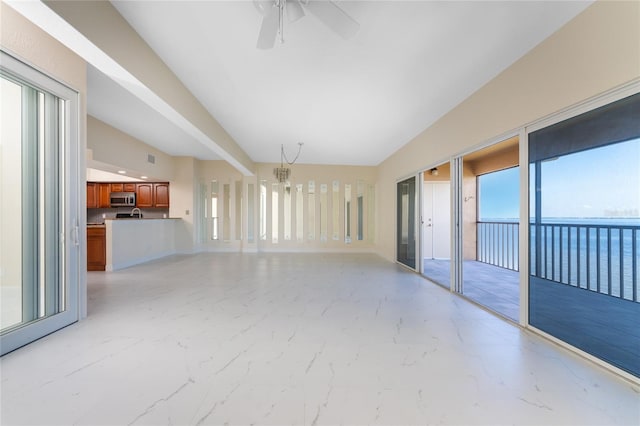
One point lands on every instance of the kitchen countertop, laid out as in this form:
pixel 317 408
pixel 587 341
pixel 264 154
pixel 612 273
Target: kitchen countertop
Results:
pixel 143 218
pixel 102 225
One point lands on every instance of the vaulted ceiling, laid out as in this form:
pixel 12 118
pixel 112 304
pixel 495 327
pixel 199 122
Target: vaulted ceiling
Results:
pixel 352 101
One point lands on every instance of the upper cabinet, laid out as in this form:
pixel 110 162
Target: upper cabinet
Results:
pixel 144 195
pixel 92 195
pixel 148 194
pixel 129 187
pixel 161 194
pixel 123 187
pixel 152 195
pixel 98 195
pixel 104 192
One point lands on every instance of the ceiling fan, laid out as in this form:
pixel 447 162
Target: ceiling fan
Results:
pixel 273 11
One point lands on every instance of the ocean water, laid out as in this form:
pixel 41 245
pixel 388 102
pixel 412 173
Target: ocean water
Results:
pixel 599 254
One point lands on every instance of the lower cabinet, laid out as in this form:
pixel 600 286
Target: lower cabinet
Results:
pixel 96 249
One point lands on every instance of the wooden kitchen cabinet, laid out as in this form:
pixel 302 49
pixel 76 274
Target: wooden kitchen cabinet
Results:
pixel 96 248
pixel 144 195
pixel 129 187
pixel 104 195
pixel 148 194
pixel 161 194
pixel 92 195
pixel 123 187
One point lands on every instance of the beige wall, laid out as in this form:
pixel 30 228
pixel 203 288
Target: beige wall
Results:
pixel 595 52
pixel 192 178
pixel 224 174
pixel 182 202
pixel 301 173
pixel 29 43
pixel 111 146
pixel 323 174
pixel 25 41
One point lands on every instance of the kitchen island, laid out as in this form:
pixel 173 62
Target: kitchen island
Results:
pixel 133 241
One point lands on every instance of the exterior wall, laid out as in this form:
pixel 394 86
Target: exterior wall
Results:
pixel 444 174
pixel 111 146
pixel 494 161
pixel 25 41
pixel 595 52
pixel 469 213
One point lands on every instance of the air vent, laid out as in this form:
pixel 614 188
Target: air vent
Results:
pixel 151 158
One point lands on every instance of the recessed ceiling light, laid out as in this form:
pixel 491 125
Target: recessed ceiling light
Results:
pixel 143 177
pixel 122 172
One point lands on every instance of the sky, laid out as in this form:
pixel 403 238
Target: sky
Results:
pixel 499 195
pixel 598 183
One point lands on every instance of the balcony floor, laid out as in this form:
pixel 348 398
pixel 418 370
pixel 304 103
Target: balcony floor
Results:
pixel 496 288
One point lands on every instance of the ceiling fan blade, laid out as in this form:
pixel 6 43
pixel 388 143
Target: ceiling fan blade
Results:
pixel 263 6
pixel 294 10
pixel 268 30
pixel 334 17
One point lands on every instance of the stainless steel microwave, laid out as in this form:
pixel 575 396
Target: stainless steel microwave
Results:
pixel 123 199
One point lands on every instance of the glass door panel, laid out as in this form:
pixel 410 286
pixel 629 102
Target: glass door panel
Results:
pixel 406 222
pixel 585 232
pixel 38 211
pixel 11 282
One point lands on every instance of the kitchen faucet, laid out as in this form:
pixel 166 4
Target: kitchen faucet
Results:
pixel 139 212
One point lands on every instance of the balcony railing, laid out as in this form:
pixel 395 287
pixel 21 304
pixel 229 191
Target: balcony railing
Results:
pixel 600 258
pixel 497 244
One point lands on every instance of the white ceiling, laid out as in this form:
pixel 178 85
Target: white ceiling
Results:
pixel 111 103
pixel 349 101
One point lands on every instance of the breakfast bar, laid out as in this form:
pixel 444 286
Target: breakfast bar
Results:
pixel 133 241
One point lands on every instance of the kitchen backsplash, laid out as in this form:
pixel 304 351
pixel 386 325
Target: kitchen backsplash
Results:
pixel 95 215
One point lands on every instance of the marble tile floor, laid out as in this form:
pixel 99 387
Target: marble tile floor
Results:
pixel 298 339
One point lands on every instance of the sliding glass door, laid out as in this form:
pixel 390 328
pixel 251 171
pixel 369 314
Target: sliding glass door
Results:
pixel 38 211
pixel 584 233
pixel 406 222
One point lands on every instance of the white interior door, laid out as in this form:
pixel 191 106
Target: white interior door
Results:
pixel 427 221
pixel 436 223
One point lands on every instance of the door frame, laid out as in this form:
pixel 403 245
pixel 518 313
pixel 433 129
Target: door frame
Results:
pixel 74 221
pixel 416 211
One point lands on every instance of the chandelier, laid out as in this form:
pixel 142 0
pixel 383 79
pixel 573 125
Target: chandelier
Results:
pixel 282 173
